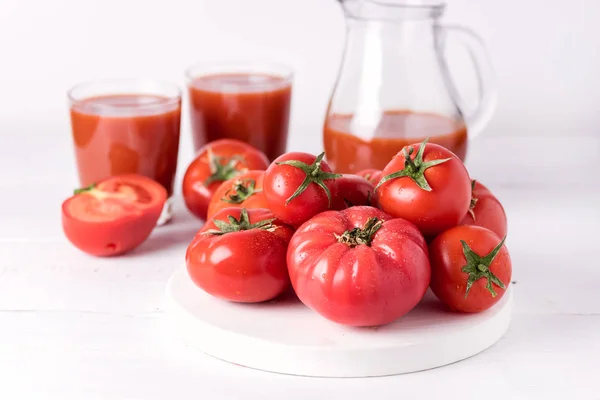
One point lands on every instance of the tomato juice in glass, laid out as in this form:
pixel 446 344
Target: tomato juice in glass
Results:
pixel 243 101
pixel 349 152
pixel 126 126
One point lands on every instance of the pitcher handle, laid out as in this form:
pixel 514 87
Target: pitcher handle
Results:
pixel 479 115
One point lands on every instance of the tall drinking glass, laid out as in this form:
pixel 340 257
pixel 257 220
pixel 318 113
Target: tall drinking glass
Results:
pixel 247 101
pixel 127 126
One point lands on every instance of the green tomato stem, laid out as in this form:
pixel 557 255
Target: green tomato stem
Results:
pixel 478 267
pixel 314 174
pixel 414 168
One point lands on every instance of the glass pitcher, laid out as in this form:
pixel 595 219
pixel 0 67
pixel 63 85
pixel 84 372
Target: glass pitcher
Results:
pixel 394 87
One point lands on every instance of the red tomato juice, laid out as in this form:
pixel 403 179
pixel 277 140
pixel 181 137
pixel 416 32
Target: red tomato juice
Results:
pixel 126 133
pixel 348 152
pixel 250 107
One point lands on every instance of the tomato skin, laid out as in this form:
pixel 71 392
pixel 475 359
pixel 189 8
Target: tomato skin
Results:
pixel 196 194
pixel 257 200
pixel 447 259
pixel 372 175
pixel 488 211
pixel 111 227
pixel 354 190
pixel 431 211
pixel 363 285
pixel 280 183
pixel 247 266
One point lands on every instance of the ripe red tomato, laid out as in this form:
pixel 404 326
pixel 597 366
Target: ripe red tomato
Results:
pixel 298 186
pixel 372 175
pixel 215 163
pixel 470 268
pixel 485 210
pixel 243 191
pixel 359 266
pixel 114 215
pixel 354 190
pixel 240 255
pixel 431 189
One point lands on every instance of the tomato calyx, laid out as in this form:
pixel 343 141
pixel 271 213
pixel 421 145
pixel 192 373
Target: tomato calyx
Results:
pixel 243 224
pixel 358 236
pixel 314 174
pixel 85 189
pixel 101 195
pixel 222 168
pixel 414 168
pixel 243 190
pixel 478 267
pixel 474 200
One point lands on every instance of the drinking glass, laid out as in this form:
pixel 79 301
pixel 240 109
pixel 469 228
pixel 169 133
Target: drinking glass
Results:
pixel 247 101
pixel 122 126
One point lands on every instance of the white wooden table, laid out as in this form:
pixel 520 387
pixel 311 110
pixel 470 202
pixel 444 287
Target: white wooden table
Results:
pixel 77 327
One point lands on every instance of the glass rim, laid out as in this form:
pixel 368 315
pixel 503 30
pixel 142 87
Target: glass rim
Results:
pixel 207 68
pixel 169 99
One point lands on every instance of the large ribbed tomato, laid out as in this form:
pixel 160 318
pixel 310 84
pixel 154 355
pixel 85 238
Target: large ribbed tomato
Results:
pixel 359 266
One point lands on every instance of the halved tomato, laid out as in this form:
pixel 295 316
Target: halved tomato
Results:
pixel 114 215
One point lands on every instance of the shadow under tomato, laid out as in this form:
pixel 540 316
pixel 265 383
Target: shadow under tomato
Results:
pixel 176 234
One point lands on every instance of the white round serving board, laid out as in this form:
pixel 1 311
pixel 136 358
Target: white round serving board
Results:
pixel 287 337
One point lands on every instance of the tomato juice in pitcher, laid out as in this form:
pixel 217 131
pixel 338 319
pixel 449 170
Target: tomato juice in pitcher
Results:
pixel 394 87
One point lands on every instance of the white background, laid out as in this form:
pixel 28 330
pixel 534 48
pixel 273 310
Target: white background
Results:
pixel 77 327
pixel 546 54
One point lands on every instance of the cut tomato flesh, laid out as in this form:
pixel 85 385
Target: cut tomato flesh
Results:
pixel 87 207
pixel 131 190
pixel 113 216
pixel 116 198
